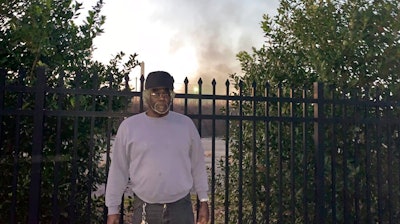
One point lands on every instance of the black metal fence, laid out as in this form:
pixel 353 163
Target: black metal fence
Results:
pixel 289 155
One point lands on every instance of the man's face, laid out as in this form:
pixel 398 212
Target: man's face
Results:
pixel 159 103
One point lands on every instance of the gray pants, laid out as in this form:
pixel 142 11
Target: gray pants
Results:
pixel 179 212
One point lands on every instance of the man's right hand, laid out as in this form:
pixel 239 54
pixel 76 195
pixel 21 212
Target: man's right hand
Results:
pixel 113 219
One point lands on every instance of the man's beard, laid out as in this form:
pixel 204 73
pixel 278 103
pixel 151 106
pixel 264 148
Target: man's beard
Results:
pixel 161 108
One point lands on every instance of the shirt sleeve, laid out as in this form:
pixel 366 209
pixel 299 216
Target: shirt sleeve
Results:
pixel 199 171
pixel 118 174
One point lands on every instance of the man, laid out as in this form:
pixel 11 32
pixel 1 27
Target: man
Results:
pixel 161 152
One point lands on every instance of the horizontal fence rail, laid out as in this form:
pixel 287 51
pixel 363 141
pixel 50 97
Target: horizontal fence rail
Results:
pixel 275 154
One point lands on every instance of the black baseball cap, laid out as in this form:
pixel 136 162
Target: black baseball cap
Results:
pixel 159 79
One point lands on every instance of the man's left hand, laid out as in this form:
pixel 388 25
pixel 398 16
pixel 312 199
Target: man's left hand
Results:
pixel 203 213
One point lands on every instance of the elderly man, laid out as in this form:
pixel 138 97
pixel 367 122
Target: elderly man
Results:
pixel 161 152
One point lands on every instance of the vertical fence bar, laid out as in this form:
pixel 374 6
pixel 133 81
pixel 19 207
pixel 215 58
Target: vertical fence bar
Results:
pixel 16 151
pixel 368 170
pixel 397 161
pixel 267 157
pixel 37 146
pixel 2 92
pixel 213 155
pixel 333 128
pixel 254 154
pixel 292 158
pixel 227 133
pixel 240 187
pixel 199 126
pixel 92 146
pixel 280 159
pixel 389 162
pixel 319 153
pixel 200 83
pixel 305 159
pixel 74 163
pixel 56 180
pixel 185 108
pixel 108 135
pixel 357 180
pixel 357 164
pixel 345 152
pixel 379 160
pixel 141 106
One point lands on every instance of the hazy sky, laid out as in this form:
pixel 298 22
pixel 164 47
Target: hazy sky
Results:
pixel 187 38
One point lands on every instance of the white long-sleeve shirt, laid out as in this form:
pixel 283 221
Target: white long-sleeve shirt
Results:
pixel 163 157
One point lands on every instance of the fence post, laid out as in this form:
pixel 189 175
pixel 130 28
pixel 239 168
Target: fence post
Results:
pixel 319 152
pixel 37 146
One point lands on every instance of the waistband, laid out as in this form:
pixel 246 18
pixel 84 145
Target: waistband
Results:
pixel 184 199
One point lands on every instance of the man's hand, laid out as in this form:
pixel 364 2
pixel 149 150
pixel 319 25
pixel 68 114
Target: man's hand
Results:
pixel 113 219
pixel 203 213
